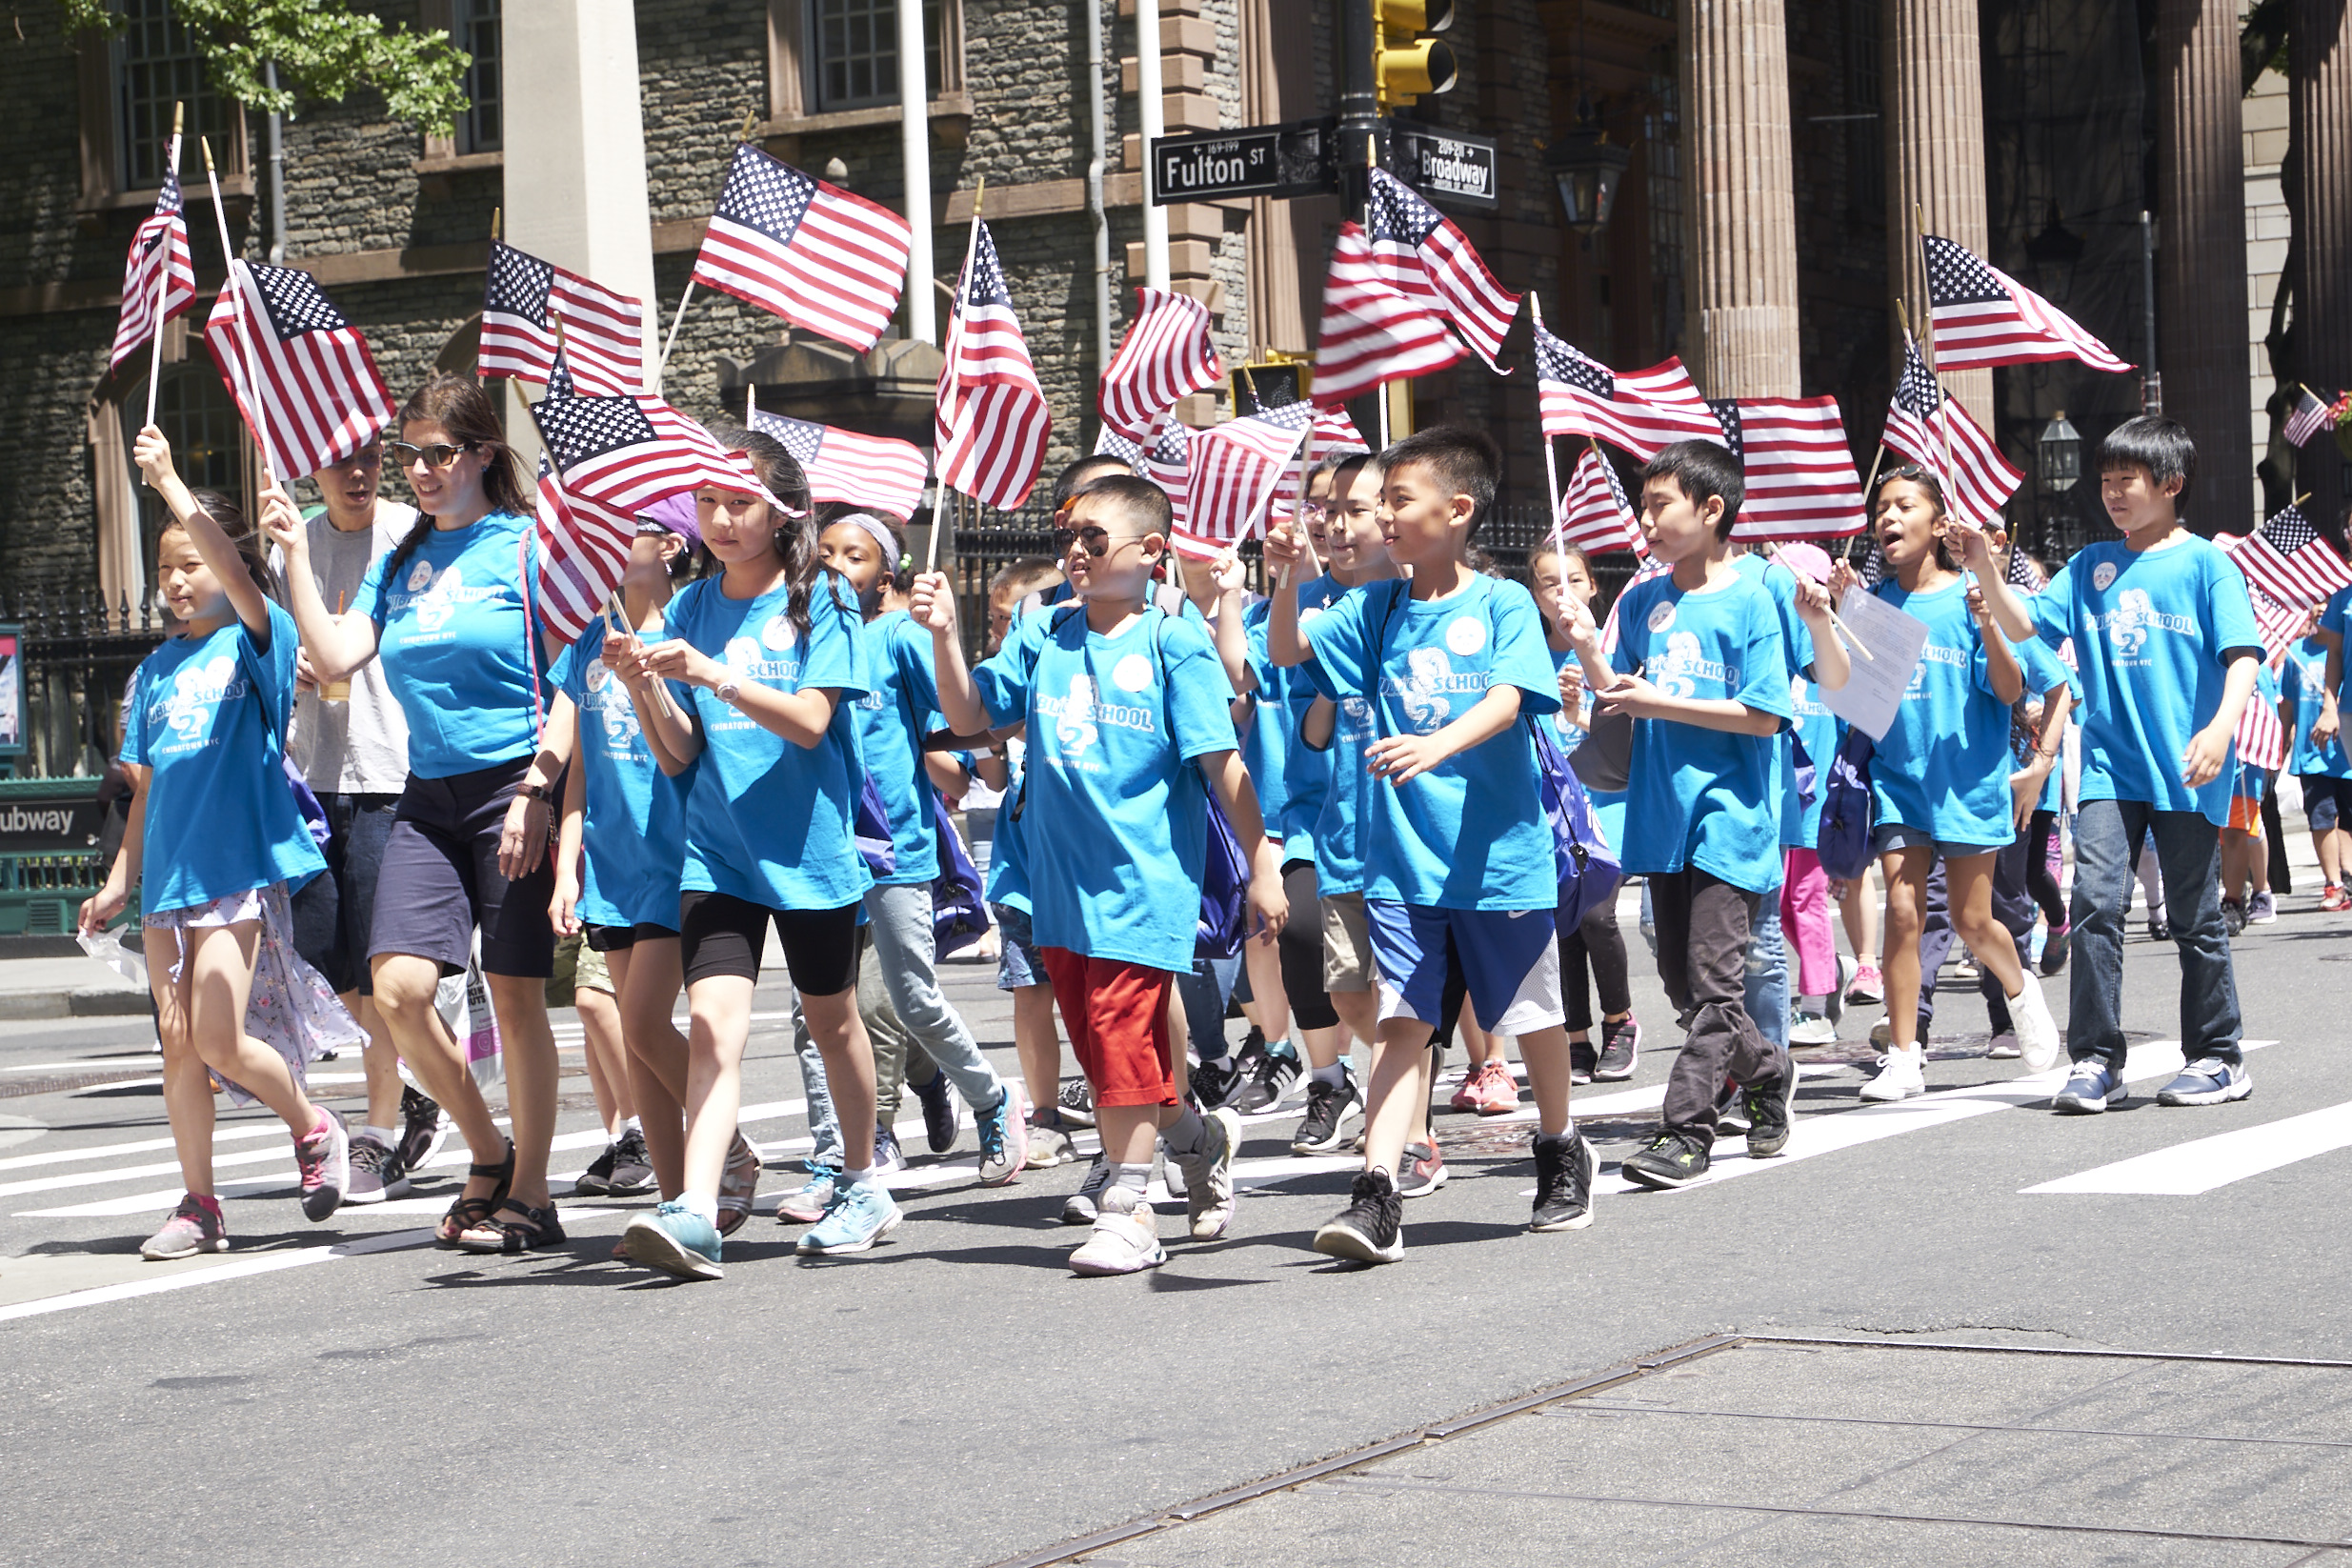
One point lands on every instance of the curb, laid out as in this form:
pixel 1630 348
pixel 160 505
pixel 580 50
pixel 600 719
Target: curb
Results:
pixel 89 1002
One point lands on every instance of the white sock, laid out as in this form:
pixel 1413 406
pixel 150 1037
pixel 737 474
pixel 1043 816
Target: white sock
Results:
pixel 858 1177
pixel 705 1204
pixel 384 1136
pixel 628 1124
pixel 1336 1074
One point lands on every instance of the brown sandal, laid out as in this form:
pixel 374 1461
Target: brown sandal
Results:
pixel 467 1214
pixel 533 1230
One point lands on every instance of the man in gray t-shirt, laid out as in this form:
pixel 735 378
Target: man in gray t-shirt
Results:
pixel 350 743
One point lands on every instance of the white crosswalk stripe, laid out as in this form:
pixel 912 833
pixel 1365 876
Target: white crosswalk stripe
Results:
pixel 2187 1169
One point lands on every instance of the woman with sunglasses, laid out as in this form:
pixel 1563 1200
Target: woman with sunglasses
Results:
pixel 451 614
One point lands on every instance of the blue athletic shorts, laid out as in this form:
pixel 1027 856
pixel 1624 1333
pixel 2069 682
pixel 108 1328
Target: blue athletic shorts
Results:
pixel 1508 959
pixel 1017 963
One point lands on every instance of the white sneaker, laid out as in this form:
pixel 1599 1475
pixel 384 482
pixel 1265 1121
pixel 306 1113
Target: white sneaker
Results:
pixel 1812 1029
pixel 1904 1074
pixel 1126 1238
pixel 1209 1175
pixel 2029 1014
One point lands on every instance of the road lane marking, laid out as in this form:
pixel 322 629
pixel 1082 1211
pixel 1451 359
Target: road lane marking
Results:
pixel 2200 1166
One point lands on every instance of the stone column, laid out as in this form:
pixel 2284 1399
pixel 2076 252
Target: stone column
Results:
pixel 2320 87
pixel 1742 197
pixel 2200 254
pixel 1935 158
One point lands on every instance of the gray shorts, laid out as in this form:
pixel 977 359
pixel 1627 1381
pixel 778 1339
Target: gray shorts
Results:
pixel 1889 836
pixel 1347 943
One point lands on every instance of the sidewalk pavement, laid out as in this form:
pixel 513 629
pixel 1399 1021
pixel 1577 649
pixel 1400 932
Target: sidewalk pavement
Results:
pixel 75 987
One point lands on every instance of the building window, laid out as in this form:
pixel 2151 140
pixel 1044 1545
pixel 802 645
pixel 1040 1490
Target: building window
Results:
pixel 156 66
pixel 853 52
pixel 198 417
pixel 475 28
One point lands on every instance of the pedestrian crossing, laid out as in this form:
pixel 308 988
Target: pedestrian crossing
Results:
pixel 2186 1170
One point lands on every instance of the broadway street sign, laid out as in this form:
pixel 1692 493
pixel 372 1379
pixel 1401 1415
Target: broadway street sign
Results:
pixel 1447 167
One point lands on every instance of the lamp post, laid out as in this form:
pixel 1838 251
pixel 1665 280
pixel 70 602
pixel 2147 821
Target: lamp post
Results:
pixel 1587 167
pixel 2058 468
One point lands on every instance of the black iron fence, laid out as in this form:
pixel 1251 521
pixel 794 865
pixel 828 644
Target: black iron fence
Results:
pixel 78 655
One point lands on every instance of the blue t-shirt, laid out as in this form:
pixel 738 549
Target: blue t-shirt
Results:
pixel 1943 767
pixel 1796 647
pixel 453 634
pixel 1573 728
pixel 1817 728
pixel 2153 630
pixel 632 822
pixel 891 721
pixel 2303 682
pixel 1266 744
pixel 1306 770
pixel 2044 673
pixel 1008 853
pixel 1471 833
pixel 767 820
pixel 209 715
pixel 1118 812
pixel 1699 797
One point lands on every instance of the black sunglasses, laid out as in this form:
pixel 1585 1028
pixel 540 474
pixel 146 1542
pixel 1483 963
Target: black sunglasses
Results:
pixel 1096 540
pixel 440 454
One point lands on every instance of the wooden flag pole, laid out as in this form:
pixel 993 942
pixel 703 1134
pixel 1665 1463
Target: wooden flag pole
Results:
pixel 956 316
pixel 1551 458
pixel 163 275
pixel 253 419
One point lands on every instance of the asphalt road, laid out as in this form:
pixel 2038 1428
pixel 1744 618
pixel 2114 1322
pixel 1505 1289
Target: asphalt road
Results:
pixel 958 1398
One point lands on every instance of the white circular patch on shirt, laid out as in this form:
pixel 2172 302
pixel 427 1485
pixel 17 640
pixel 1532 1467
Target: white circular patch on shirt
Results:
pixel 599 677
pixel 420 575
pixel 1465 634
pixel 2102 575
pixel 742 656
pixel 779 633
pixel 1132 674
pixel 1309 613
pixel 1661 615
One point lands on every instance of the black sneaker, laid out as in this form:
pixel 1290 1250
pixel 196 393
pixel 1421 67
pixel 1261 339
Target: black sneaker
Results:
pixel 1076 1102
pixel 1371 1228
pixel 1731 1112
pixel 1253 1052
pixel 1621 1051
pixel 633 1165
pixel 1083 1206
pixel 942 1117
pixel 598 1178
pixel 1771 1107
pixel 1272 1079
pixel 1669 1159
pixel 1329 1109
pixel 1582 1059
pixel 1564 1171
pixel 1216 1082
pixel 375 1173
pixel 423 1130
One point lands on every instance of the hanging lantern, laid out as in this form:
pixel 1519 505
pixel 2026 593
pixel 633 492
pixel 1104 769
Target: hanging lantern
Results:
pixel 1587 167
pixel 2059 457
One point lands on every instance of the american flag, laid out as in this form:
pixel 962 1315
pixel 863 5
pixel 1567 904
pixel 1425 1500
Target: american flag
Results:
pixel 1166 460
pixel 1165 355
pixel 870 471
pixel 1372 332
pixel 1979 477
pixel 992 419
pixel 318 397
pixel 1800 472
pixel 1644 412
pixel 603 331
pixel 583 553
pixel 814 255
pixel 2288 559
pixel 2310 417
pixel 1426 257
pixel 624 453
pixel 1594 511
pixel 1110 443
pixel 2262 738
pixel 1236 467
pixel 1333 434
pixel 158 254
pixel 2020 574
pixel 2281 626
pixel 1982 316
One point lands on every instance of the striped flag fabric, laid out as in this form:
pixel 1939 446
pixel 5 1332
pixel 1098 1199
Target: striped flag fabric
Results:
pixel 2262 738
pixel 1167 462
pixel 2019 573
pixel 1372 332
pixel 1800 472
pixel 992 419
pixel 1594 510
pixel 583 553
pixel 1426 257
pixel 1333 434
pixel 872 473
pixel 158 254
pixel 1983 317
pixel 316 396
pixel 603 331
pixel 1978 478
pixel 1165 355
pixel 2280 626
pixel 2310 417
pixel 2288 559
pixel 624 453
pixel 1236 467
pixel 1644 412
pixel 809 251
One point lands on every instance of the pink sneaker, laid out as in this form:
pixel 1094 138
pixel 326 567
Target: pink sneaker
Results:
pixel 325 1160
pixel 1868 986
pixel 194 1227
pixel 1499 1091
pixel 1466 1092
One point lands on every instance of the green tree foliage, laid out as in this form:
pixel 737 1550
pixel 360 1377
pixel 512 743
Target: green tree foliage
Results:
pixel 323 48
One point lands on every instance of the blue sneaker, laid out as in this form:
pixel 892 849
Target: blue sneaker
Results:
pixel 2208 1081
pixel 1004 1136
pixel 2091 1087
pixel 862 1214
pixel 676 1240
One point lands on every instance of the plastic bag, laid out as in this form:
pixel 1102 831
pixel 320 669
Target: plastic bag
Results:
pixel 107 947
pixel 463 1002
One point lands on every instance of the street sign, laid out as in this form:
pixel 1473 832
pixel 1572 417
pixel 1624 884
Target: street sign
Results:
pixel 1447 167
pixel 1260 160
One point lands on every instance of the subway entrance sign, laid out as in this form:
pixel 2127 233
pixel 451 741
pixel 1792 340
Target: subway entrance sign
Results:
pixel 1265 160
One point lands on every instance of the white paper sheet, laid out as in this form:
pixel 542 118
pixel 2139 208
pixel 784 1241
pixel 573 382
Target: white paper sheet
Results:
pixel 1875 690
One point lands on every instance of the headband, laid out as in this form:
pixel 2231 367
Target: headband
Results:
pixel 891 559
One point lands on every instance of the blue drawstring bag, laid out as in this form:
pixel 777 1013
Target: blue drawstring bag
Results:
pixel 874 844
pixel 958 901
pixel 1588 867
pixel 1224 889
pixel 1843 843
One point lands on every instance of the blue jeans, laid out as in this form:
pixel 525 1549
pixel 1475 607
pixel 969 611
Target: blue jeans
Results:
pixel 2188 851
pixel 1206 992
pixel 1767 978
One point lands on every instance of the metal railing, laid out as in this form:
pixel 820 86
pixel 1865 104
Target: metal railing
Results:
pixel 78 657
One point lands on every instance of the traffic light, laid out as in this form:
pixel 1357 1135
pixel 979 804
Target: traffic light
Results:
pixel 1405 66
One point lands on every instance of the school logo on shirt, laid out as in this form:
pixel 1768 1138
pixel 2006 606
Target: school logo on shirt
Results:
pixel 1466 634
pixel 1356 720
pixel 1132 674
pixel 1080 715
pixel 186 708
pixel 609 700
pixel 2130 623
pixel 420 576
pixel 597 677
pixel 439 602
pixel 1677 671
pixel 2102 576
pixel 1662 615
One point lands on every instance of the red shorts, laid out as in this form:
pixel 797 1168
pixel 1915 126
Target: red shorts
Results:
pixel 1118 1017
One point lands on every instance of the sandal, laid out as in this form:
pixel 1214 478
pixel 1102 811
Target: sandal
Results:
pixel 536 1228
pixel 467 1214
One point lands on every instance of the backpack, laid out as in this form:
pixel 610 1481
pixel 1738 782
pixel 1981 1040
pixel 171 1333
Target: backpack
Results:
pixel 959 900
pixel 1843 843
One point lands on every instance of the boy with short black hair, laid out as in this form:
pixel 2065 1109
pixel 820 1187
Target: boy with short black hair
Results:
pixel 1457 843
pixel 1700 664
pixel 2167 651
pixel 1128 719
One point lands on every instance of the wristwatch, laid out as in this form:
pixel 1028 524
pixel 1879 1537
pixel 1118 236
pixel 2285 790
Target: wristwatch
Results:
pixel 535 791
pixel 727 691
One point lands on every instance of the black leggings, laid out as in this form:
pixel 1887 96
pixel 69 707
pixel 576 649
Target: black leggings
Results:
pixel 1300 949
pixel 2040 881
pixel 1597 945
